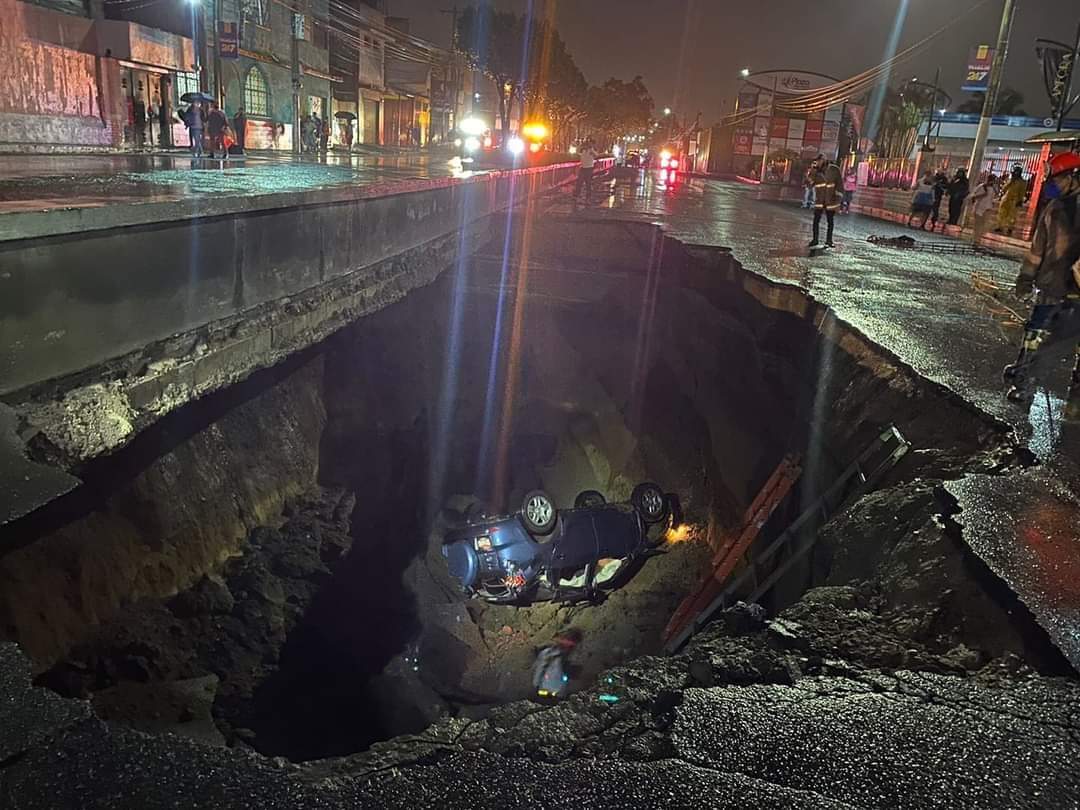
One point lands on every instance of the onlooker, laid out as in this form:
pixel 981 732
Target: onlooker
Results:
pixel 983 202
pixel 1012 197
pixel 922 201
pixel 851 180
pixel 240 129
pixel 958 191
pixel 808 184
pixel 216 124
pixel 828 186
pixel 587 155
pixel 941 185
pixel 195 120
pixel 139 118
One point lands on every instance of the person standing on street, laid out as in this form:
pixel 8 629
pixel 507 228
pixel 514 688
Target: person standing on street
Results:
pixel 585 171
pixel 922 201
pixel 240 128
pixel 941 185
pixel 983 202
pixel 1052 271
pixel 195 121
pixel 958 191
pixel 216 124
pixel 828 186
pixel 851 180
pixel 1012 197
pixel 808 184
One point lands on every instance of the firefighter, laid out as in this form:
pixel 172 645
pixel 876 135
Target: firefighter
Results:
pixel 828 186
pixel 1052 271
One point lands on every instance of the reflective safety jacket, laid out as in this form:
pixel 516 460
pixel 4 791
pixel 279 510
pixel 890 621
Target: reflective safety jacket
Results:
pixel 828 185
pixel 1055 249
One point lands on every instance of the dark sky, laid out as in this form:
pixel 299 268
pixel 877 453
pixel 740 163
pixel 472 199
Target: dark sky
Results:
pixel 690 51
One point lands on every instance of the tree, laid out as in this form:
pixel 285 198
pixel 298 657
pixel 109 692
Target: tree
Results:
pixel 617 108
pixel 1009 102
pixel 902 112
pixel 493 42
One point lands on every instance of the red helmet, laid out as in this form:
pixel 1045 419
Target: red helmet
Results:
pixel 1064 162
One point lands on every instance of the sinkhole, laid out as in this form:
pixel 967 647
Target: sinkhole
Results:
pixel 264 567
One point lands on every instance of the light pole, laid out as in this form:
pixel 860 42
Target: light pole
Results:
pixel 997 68
pixel 196 46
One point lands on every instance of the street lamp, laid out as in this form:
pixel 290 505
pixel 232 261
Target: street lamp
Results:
pixel 195 40
pixel 667 110
pixel 745 73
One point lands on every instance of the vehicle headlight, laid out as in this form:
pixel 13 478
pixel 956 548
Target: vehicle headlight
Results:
pixel 472 144
pixel 457 142
pixel 515 145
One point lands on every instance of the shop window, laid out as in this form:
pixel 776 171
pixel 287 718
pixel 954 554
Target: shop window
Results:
pixel 256 93
pixel 186 83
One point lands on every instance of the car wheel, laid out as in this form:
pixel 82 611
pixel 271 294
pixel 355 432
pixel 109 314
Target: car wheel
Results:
pixel 538 512
pixel 588 499
pixel 649 500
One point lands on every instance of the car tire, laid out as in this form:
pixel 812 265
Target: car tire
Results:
pixel 588 499
pixel 538 512
pixel 650 502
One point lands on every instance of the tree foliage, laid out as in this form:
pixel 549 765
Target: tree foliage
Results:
pixel 1009 102
pixel 617 108
pixel 530 65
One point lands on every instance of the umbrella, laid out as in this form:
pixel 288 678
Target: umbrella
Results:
pixel 345 115
pixel 193 97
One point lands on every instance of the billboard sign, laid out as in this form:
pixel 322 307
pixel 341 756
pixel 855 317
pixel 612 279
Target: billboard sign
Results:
pixel 977 78
pixel 228 40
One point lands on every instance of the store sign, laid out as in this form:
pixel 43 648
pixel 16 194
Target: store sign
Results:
pixel 978 69
pixel 228 40
pixel 744 141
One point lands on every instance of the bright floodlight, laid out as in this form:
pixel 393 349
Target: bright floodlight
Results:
pixel 515 145
pixel 942 111
pixel 535 131
pixel 667 110
pixel 744 72
pixel 473 126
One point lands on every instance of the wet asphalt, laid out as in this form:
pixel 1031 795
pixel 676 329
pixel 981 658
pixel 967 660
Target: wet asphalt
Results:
pixel 952 318
pixel 44 182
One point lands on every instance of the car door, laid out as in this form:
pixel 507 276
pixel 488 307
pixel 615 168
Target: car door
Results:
pixel 575 545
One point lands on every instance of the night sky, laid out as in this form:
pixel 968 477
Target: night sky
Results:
pixel 691 51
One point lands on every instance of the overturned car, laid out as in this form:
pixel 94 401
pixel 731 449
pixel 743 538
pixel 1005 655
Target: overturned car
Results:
pixel 546 554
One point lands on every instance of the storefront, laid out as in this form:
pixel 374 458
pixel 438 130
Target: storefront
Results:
pixel 150 62
pixel 779 146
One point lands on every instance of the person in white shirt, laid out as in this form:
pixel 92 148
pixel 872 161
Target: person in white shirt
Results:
pixel 983 203
pixel 585 171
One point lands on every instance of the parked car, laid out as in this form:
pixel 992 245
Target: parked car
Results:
pixel 543 553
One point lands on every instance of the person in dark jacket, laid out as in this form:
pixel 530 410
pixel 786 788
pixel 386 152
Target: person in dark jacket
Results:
pixel 828 187
pixel 240 128
pixel 958 191
pixel 1052 271
pixel 941 185
pixel 216 124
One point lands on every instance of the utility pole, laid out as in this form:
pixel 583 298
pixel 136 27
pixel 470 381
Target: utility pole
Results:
pixel 997 68
pixel 768 136
pixel 218 85
pixel 297 81
pixel 456 76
